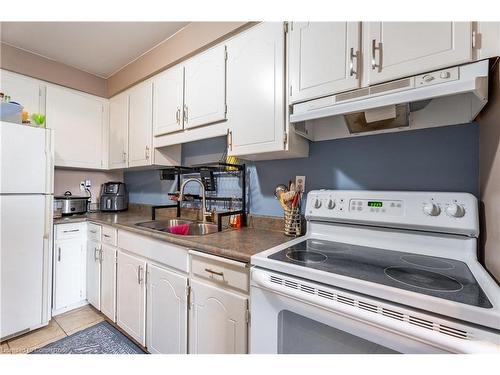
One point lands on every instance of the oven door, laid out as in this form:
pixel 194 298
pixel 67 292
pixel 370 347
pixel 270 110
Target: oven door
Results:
pixel 295 316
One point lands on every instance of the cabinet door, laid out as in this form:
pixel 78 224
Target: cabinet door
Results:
pixel 167 311
pixel 205 88
pixel 69 278
pixel 140 125
pixel 108 282
pixel 399 49
pixel 118 131
pixel 94 274
pixel 255 90
pixel 168 101
pixel 323 58
pixel 131 296
pixel 23 90
pixel 218 321
pixel 77 120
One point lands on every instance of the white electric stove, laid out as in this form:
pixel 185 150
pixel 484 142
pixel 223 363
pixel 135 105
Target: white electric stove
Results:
pixel 377 272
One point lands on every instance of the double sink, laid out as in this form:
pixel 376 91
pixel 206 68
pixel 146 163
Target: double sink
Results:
pixel 195 228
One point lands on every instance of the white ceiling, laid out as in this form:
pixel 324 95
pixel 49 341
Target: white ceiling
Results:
pixel 100 48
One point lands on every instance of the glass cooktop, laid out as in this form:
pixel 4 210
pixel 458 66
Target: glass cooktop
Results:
pixel 438 277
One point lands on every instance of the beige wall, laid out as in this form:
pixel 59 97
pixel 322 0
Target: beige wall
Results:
pixel 65 179
pixel 32 65
pixel 490 177
pixel 191 39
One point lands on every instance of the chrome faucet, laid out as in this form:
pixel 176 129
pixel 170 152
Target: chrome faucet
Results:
pixel 204 211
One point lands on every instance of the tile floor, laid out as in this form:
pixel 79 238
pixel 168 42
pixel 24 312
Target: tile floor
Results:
pixel 60 326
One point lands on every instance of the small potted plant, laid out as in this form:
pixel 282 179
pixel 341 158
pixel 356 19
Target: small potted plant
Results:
pixel 39 119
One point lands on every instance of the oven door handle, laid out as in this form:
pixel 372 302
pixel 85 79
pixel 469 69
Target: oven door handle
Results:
pixel 262 279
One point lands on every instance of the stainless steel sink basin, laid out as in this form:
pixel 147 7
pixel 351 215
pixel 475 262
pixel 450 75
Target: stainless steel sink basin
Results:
pixel 194 229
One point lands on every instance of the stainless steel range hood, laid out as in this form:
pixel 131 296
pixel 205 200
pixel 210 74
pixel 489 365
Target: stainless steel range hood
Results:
pixel 445 97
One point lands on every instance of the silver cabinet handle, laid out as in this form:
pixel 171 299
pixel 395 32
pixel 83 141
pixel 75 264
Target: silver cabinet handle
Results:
pixel 185 113
pixel 59 254
pixel 96 251
pixel 139 274
pixel 230 140
pixel 178 116
pixel 93 231
pixel 221 274
pixel 106 235
pixel 124 156
pixel 374 49
pixel 353 68
pixel 146 152
pixel 101 256
pixel 71 231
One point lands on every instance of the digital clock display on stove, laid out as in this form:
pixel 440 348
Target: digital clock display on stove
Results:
pixel 375 204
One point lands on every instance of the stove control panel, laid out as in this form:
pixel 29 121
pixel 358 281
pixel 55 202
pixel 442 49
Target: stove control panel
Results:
pixel 432 211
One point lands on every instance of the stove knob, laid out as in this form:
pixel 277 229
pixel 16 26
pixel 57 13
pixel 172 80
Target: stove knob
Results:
pixel 317 203
pixel 431 209
pixel 331 204
pixel 455 210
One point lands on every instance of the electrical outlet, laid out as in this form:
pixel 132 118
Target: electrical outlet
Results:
pixel 300 183
pixel 82 185
pixel 88 183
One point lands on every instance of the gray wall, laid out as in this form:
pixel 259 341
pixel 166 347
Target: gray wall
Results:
pixel 440 159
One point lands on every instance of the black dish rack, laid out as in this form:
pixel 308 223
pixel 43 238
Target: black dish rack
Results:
pixel 209 175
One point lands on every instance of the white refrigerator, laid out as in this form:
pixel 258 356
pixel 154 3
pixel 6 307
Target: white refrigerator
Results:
pixel 26 206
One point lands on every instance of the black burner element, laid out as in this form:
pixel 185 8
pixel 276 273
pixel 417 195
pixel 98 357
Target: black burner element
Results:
pixel 424 279
pixel 306 256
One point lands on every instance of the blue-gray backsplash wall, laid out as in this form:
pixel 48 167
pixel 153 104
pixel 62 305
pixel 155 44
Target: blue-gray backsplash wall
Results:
pixel 440 159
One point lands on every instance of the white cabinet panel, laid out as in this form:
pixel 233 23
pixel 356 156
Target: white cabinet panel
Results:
pixel 205 88
pixel 78 123
pixel 118 131
pixel 108 282
pixel 69 273
pixel 167 311
pixel 140 125
pixel 218 321
pixel 94 274
pixel 323 58
pixel 23 90
pixel 398 49
pixel 168 101
pixel 131 295
pixel 255 90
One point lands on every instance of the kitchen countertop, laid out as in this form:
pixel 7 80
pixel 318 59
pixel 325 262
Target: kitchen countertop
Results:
pixel 234 244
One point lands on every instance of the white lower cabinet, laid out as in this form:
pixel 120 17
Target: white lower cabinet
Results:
pixel 131 296
pixel 69 274
pixel 108 281
pixel 166 311
pixel 94 273
pixel 218 320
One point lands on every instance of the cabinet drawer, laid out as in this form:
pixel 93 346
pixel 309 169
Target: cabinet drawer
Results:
pixel 220 271
pixel 68 231
pixel 94 232
pixel 109 235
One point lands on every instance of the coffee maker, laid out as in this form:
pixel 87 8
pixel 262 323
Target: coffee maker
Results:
pixel 114 197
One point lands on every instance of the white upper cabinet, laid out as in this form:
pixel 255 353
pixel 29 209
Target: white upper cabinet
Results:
pixel 23 90
pixel 140 132
pixel 255 90
pixel 166 311
pixel 78 121
pixel 168 101
pixel 324 58
pixel 397 49
pixel 118 131
pixel 205 88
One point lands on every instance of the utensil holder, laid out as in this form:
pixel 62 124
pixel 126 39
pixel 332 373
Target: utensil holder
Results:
pixel 293 222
